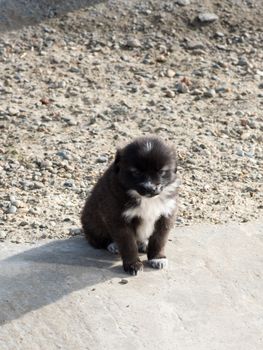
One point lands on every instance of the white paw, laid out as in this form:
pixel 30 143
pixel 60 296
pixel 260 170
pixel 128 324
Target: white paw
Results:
pixel 113 248
pixel 159 263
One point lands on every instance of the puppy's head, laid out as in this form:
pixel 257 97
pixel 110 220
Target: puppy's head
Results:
pixel 146 166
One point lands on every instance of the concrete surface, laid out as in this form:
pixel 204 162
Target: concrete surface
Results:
pixel 65 295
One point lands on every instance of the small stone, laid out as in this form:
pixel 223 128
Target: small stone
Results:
pixel 75 231
pixel 13 111
pixel 243 62
pixel 244 122
pixel 102 159
pixel 34 211
pixel 196 92
pixel 183 2
pixel 239 151
pixel 12 199
pixel 74 70
pixel 123 281
pixel 69 183
pixel 12 210
pixel 45 101
pixel 260 85
pixel 133 43
pixel 179 220
pixel 250 153
pixel 209 93
pixel 195 45
pixel 63 154
pixel 207 17
pixel 38 185
pixel 3 235
pixel 170 73
pixel 170 93
pixel 23 223
pixel 182 88
pixel 161 58
pixel 222 89
pixel 70 121
pixel 46 164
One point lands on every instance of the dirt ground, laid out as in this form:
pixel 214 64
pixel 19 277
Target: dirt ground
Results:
pixel 73 87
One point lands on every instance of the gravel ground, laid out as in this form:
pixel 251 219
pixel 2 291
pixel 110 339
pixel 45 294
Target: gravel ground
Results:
pixel 74 87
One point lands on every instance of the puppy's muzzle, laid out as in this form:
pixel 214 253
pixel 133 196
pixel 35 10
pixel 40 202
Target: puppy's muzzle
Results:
pixel 149 189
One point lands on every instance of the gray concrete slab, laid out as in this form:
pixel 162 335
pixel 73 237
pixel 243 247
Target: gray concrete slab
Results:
pixel 66 295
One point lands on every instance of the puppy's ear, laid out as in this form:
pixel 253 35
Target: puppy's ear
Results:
pixel 117 161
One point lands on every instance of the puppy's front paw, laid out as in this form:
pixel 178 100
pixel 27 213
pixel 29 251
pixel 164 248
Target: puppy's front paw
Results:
pixel 133 268
pixel 160 263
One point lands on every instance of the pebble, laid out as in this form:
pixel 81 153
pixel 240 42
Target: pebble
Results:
pixel 161 58
pixel 123 281
pixel 182 88
pixel 12 210
pixel 3 235
pixel 179 220
pixel 222 89
pixel 34 211
pixel 38 185
pixel 133 43
pixel 70 121
pixel 170 73
pixel 207 17
pixel 242 61
pixel 239 151
pixel 12 199
pixel 260 85
pixel 183 2
pixel 45 164
pixel 64 154
pixel 23 223
pixel 102 159
pixel 195 45
pixel 251 152
pixel 75 231
pixel 13 111
pixel 209 93
pixel 69 183
pixel 170 93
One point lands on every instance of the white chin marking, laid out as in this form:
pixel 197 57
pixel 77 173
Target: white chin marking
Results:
pixel 112 248
pixel 159 263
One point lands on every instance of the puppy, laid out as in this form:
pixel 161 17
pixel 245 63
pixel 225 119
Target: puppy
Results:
pixel 131 208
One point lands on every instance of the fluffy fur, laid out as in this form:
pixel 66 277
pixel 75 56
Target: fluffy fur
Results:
pixel 132 205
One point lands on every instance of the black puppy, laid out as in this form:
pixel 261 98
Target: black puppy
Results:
pixel 132 205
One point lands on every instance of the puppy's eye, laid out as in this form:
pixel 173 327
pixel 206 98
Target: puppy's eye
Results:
pixel 163 173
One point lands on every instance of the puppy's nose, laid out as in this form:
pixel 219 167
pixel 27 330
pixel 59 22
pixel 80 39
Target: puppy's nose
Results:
pixel 151 189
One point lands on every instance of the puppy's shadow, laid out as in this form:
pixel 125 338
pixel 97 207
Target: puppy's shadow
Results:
pixel 15 14
pixel 42 275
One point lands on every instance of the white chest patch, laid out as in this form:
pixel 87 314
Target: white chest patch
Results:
pixel 149 210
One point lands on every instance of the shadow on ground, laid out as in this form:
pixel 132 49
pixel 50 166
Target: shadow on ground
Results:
pixel 44 274
pixel 15 14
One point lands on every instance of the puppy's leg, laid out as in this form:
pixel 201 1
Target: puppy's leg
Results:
pixel 157 241
pixel 129 251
